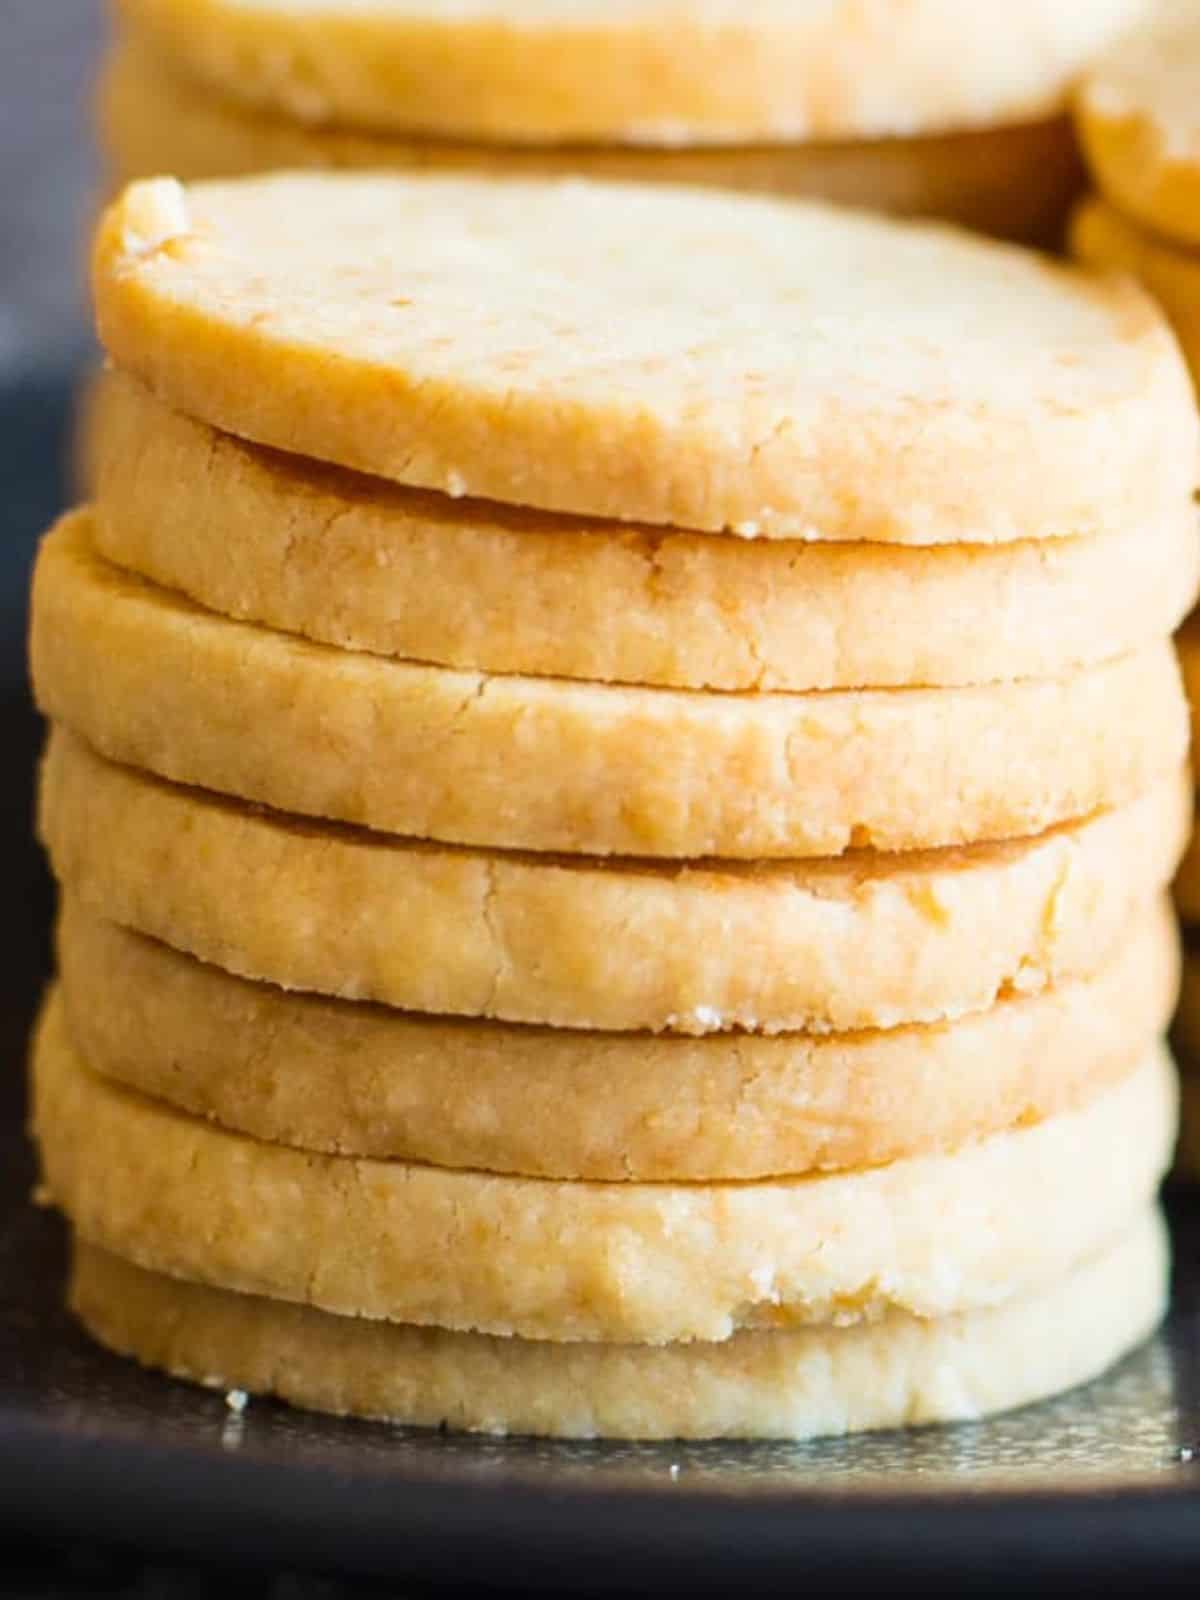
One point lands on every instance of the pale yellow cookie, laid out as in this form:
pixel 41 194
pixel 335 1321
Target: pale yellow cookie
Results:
pixel 643 71
pixel 668 355
pixel 1138 114
pixel 360 1080
pixel 1102 237
pixel 150 679
pixel 1016 181
pixel 793 1384
pixel 633 1263
pixel 355 562
pixel 865 941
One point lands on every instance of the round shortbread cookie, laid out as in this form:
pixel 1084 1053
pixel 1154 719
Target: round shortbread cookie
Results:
pixel 862 942
pixel 795 1383
pixel 668 355
pixel 358 563
pixel 1102 237
pixel 150 679
pixel 1138 115
pixel 358 1080
pixel 1015 181
pixel 642 71
pixel 628 1262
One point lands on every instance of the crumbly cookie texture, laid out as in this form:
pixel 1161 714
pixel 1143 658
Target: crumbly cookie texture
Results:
pixel 866 941
pixel 354 1079
pixel 1139 119
pixel 542 764
pixel 1016 181
pixel 519 341
pixel 795 1383
pixel 355 562
pixel 626 1262
pixel 640 71
pixel 1102 237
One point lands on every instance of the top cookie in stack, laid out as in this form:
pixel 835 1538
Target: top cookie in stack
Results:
pixel 887 105
pixel 700 668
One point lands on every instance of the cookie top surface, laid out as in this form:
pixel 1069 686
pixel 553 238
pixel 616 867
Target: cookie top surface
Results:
pixel 638 71
pixel 1139 118
pixel 709 361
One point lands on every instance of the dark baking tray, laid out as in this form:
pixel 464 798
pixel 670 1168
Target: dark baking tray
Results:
pixel 1102 1486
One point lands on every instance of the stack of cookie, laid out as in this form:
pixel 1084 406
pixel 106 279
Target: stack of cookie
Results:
pixel 893 106
pixel 1139 119
pixel 616 760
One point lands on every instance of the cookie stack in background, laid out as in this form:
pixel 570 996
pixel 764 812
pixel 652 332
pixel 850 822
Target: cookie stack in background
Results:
pixel 616 760
pixel 900 108
pixel 1139 121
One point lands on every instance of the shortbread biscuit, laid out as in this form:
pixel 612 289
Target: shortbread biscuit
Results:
pixel 1139 118
pixel 578 347
pixel 357 563
pixel 359 1080
pixel 862 942
pixel 1015 181
pixel 633 1263
pixel 797 1384
pixel 150 679
pixel 1102 237
pixel 642 71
